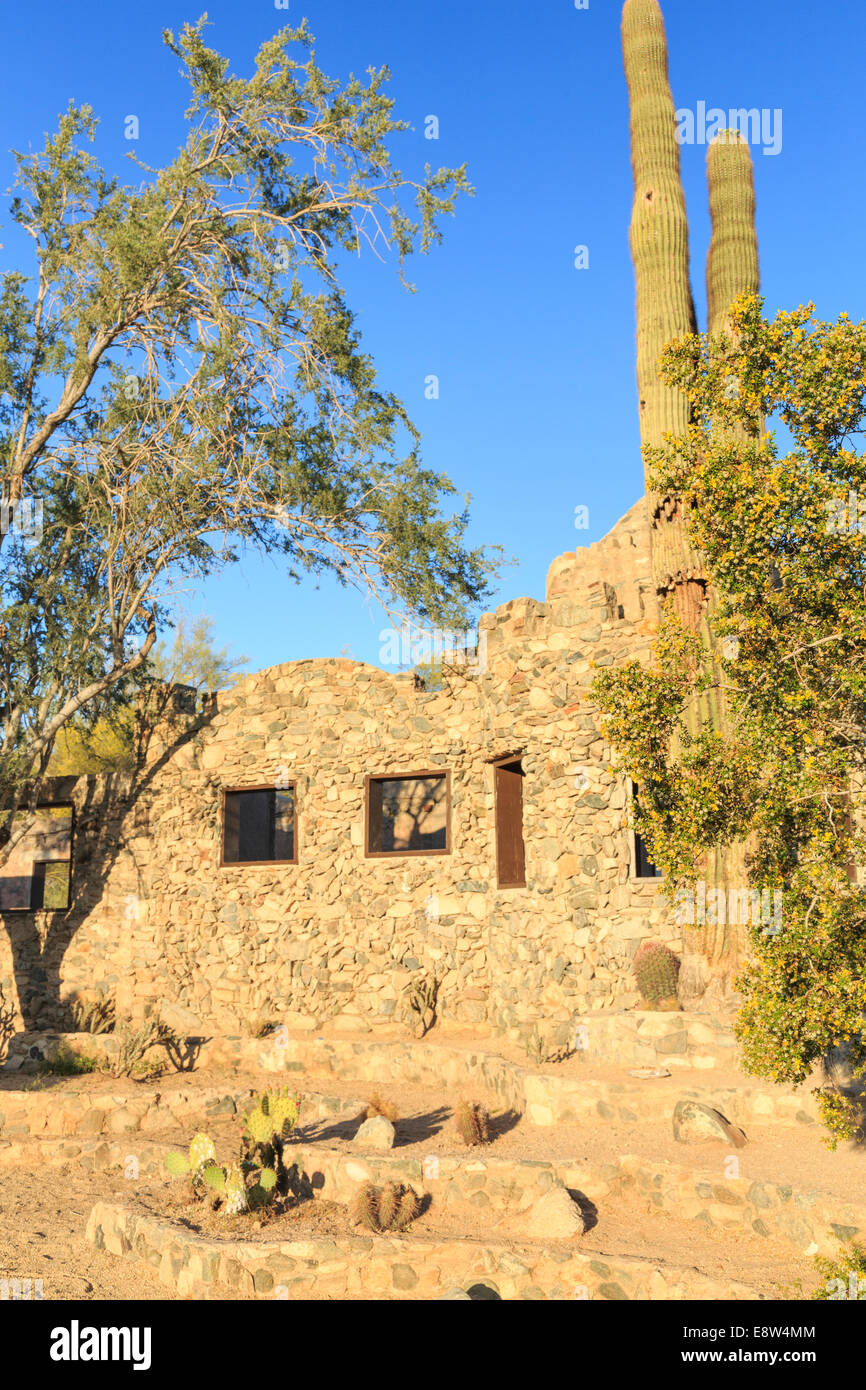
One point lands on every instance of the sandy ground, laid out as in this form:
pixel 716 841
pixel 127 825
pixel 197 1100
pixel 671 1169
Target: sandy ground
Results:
pixel 43 1214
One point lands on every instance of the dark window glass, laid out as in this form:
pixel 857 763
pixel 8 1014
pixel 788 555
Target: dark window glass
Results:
pixel 259 826
pixel 37 874
pixel 643 865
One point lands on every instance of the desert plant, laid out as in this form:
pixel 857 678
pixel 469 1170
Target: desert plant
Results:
pixel 844 1277
pixel 202 1154
pixel 64 1062
pixel 136 1042
pixel 473 1123
pixel 238 1186
pixel 388 1208
pixel 7 1024
pixel 656 969
pixel 422 1001
pixel 377 1106
pixel 93 1016
pixel 266 1128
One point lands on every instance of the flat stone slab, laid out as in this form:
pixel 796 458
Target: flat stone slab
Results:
pixel 695 1123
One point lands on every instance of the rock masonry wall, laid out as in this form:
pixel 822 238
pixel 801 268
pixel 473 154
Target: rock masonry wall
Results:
pixel 339 936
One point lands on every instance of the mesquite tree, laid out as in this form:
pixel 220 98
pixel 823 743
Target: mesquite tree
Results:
pixel 181 379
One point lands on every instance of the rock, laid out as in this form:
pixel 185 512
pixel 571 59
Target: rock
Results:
pixel 695 1123
pixel 456 1294
pixel 377 1133
pixel 182 1021
pixel 648 1073
pixel 555 1216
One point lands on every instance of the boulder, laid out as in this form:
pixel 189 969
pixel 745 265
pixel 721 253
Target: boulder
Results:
pixel 376 1133
pixel 555 1216
pixel 181 1021
pixel 695 1123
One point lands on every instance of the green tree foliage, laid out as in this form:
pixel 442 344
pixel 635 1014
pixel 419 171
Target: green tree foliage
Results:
pixel 182 379
pixel 783 541
pixel 107 742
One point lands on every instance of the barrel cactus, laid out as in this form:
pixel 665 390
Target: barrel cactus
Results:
pixel 656 970
pixel 388 1208
pixel 473 1123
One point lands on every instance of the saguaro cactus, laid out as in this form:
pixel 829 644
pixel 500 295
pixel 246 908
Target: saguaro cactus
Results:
pixel 732 260
pixel 659 237
pixel 665 312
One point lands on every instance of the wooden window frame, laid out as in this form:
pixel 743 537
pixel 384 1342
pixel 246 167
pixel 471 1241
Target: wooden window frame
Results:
pixel 405 777
pixel 497 763
pixel 258 863
pixel 54 806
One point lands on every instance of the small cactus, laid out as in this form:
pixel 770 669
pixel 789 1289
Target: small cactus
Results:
pixel 473 1123
pixel 388 1208
pixel 656 969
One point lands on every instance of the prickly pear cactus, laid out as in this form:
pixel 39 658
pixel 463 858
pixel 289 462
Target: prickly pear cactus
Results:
pixel 202 1150
pixel 283 1109
pixel 656 970
pixel 236 1199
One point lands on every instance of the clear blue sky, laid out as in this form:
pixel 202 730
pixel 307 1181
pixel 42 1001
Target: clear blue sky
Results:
pixel 537 412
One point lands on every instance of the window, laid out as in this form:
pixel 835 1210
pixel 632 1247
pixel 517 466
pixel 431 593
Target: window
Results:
pixel 259 826
pixel 643 865
pixel 409 815
pixel 37 874
pixel 508 794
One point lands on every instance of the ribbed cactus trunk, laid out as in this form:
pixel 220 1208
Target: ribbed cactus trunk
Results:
pixel 732 261
pixel 665 312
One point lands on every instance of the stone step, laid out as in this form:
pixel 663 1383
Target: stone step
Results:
pixel 552 1100
pixel 506 1189
pixel 84 1113
pixel 414 1268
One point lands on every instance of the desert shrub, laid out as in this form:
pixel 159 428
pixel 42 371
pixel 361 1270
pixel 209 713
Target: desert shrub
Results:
pixel 135 1043
pixel 64 1062
pixel 844 1277
pixel 377 1106
pixel 93 1016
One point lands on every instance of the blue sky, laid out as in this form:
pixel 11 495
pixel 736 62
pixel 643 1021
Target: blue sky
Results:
pixel 537 410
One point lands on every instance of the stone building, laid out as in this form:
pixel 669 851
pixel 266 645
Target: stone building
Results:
pixel 306 844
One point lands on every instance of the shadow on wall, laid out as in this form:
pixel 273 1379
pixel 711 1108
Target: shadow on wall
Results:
pixel 104 810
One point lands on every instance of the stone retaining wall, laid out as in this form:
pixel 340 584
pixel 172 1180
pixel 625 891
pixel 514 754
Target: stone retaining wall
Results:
pixel 386 1266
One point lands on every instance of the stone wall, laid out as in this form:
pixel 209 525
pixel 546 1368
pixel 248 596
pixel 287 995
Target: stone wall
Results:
pixel 338 935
